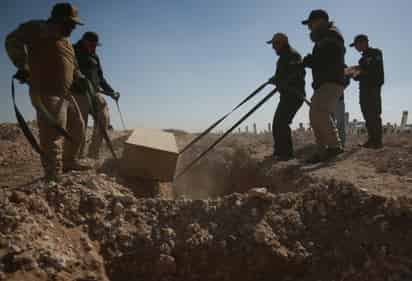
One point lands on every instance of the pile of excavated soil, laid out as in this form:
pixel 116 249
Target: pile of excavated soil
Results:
pixel 243 161
pixel 90 228
pixel 238 216
pixel 13 146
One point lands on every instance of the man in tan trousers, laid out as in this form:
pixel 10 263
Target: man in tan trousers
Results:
pixel 90 66
pixel 44 56
pixel 327 63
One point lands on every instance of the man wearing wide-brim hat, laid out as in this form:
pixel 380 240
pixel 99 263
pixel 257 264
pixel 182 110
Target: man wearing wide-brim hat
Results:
pixel 44 56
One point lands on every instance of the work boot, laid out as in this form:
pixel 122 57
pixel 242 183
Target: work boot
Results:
pixel 327 155
pixel 282 158
pixel 52 177
pixel 372 145
pixel 376 145
pixel 332 152
pixel 52 171
pixel 314 159
pixel 76 166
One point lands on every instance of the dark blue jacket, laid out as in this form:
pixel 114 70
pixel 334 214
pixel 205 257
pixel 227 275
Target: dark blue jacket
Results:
pixel 90 67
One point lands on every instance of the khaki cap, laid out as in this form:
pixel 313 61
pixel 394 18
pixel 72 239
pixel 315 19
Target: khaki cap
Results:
pixel 65 12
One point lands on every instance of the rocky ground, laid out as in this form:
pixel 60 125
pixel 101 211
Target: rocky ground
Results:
pixel 236 216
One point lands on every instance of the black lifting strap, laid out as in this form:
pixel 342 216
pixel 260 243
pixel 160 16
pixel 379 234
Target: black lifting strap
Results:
pixel 45 114
pixel 23 124
pixel 208 130
pixel 256 107
pixel 93 111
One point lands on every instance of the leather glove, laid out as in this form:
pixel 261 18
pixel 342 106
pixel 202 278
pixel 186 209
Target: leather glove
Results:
pixel 307 60
pixel 115 96
pixel 282 86
pixel 272 80
pixel 22 75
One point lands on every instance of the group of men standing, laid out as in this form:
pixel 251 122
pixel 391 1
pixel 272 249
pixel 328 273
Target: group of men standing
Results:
pixel 59 74
pixel 330 77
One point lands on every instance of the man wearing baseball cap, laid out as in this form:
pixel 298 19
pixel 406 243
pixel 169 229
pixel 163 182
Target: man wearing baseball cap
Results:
pixel 44 56
pixel 90 66
pixel 327 64
pixel 290 80
pixel 371 79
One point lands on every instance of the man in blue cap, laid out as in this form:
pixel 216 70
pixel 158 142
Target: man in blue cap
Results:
pixel 290 80
pixel 327 63
pixel 371 78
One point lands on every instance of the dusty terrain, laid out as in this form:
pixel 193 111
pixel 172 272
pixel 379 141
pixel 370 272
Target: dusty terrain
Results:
pixel 236 216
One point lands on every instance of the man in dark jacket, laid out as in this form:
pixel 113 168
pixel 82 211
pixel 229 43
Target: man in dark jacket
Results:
pixel 371 79
pixel 327 64
pixel 89 64
pixel 290 80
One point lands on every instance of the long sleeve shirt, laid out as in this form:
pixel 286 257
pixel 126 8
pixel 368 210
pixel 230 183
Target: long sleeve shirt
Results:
pixel 290 73
pixel 371 66
pixel 327 61
pixel 91 67
pixel 38 47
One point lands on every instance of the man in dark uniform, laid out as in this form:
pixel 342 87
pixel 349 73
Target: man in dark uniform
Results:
pixel 290 80
pixel 90 66
pixel 327 63
pixel 371 79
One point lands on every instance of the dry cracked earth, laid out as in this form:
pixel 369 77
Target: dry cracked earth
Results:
pixel 236 216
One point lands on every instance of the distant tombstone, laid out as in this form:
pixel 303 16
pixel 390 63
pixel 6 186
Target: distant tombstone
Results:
pixel 404 119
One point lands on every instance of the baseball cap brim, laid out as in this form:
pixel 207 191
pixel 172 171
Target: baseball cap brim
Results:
pixel 269 42
pixel 305 22
pixel 352 44
pixel 77 21
pixel 359 38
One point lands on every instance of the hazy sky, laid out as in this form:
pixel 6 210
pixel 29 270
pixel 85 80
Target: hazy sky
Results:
pixel 181 64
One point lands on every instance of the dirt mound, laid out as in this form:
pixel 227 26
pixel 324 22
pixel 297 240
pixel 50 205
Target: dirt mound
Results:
pixel 243 161
pixel 90 228
pixel 237 216
pixel 316 235
pixel 13 145
pixel 11 132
